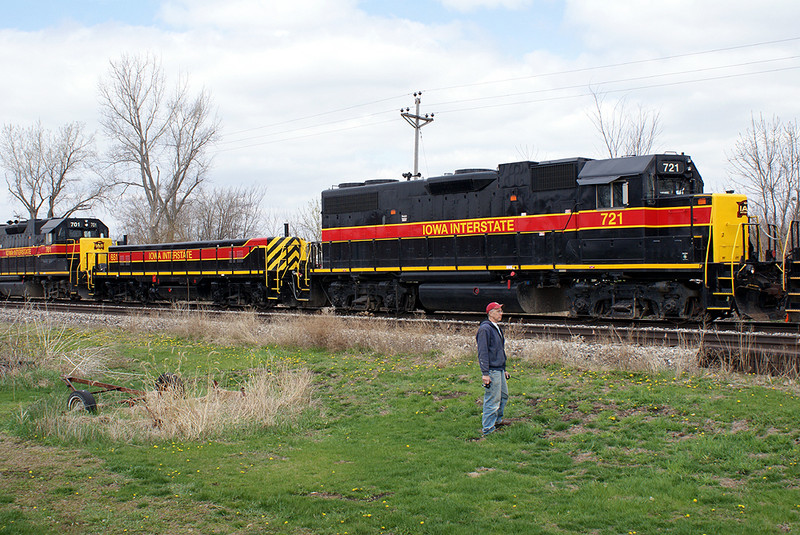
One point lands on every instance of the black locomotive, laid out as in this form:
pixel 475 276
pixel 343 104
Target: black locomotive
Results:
pixel 633 237
pixel 51 258
pixel 259 272
pixel 74 258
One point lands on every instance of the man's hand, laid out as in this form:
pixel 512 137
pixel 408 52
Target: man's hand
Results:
pixel 486 380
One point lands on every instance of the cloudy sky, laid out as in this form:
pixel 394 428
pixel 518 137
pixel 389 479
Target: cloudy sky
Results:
pixel 309 92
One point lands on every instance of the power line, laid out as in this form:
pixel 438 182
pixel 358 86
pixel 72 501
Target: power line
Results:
pixel 289 131
pixel 517 103
pixel 314 134
pixel 621 90
pixel 620 80
pixel 489 106
pixel 489 82
pixel 321 114
pixel 611 65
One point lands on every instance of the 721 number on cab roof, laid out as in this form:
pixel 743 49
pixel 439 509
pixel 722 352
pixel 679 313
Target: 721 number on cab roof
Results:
pixel 672 168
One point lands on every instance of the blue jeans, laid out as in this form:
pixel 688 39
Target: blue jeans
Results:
pixel 494 400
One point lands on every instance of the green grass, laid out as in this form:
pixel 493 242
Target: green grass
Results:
pixel 391 445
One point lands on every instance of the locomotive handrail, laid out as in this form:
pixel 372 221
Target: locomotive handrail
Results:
pixel 71 261
pixel 708 248
pixel 773 237
pixel 789 235
pixel 739 227
pixel 785 255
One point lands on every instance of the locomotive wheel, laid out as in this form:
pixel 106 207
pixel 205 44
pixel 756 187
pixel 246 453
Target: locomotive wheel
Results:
pixel 82 400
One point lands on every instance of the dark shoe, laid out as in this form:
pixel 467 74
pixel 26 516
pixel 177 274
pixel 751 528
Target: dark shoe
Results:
pixel 489 432
pixel 502 423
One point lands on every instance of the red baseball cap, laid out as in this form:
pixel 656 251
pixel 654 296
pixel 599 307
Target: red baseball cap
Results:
pixel 491 306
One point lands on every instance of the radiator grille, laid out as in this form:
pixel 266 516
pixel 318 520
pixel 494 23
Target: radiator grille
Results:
pixel 352 202
pixel 559 176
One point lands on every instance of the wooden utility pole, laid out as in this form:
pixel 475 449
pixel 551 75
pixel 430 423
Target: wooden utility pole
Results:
pixel 417 122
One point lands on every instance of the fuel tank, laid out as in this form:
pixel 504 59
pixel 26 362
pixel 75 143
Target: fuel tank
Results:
pixel 519 298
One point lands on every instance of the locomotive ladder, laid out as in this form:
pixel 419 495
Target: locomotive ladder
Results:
pixel 73 263
pixel 791 269
pixel 723 280
pixel 725 283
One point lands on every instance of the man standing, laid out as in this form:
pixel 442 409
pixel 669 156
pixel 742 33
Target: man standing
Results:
pixel 492 359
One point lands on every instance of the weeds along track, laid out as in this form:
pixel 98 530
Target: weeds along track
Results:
pixel 758 347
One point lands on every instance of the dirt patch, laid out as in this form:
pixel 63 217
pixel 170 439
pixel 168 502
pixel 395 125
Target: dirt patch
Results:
pixel 480 471
pixel 728 483
pixel 739 425
pixel 586 456
pixel 338 496
pixel 577 429
pixel 449 395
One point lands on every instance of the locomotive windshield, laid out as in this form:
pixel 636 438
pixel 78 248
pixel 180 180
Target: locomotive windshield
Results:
pixel 673 186
pixel 70 230
pixel 662 186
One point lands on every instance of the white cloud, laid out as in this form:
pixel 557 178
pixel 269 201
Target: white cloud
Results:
pixel 471 5
pixel 266 15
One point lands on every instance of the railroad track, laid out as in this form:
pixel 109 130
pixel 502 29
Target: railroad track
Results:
pixel 761 347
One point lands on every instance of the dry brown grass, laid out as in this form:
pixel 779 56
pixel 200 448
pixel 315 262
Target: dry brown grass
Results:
pixel 222 328
pixel 266 399
pixel 605 355
pixel 436 342
pixel 47 344
pixel 323 331
pixel 439 343
pixel 317 331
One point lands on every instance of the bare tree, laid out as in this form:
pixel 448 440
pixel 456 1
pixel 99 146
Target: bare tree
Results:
pixel 766 164
pixel 623 133
pixel 160 141
pixel 307 221
pixel 217 214
pixel 73 151
pixel 44 169
pixel 134 217
pixel 527 152
pixel 227 213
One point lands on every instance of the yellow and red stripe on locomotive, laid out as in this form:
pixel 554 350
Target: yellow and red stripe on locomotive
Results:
pixel 726 244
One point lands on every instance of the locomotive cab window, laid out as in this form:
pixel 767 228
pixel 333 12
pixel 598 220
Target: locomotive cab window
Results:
pixel 612 195
pixel 672 186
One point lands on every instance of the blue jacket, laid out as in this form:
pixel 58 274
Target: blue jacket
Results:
pixel 491 351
